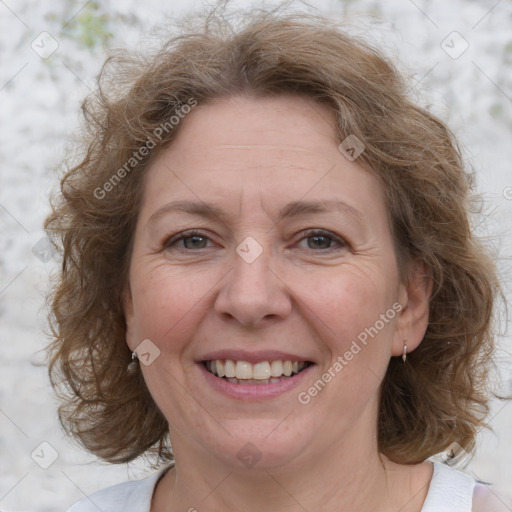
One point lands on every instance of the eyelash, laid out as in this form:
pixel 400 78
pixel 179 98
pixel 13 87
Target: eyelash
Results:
pixel 305 234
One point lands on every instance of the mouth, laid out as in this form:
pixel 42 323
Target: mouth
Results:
pixel 260 373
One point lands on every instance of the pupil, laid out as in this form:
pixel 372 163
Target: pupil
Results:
pixel 317 238
pixel 195 239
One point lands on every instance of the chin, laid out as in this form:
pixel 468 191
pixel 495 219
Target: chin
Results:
pixel 259 444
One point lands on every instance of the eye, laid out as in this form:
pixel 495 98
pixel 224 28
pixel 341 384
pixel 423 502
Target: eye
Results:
pixel 320 239
pixel 316 239
pixel 192 239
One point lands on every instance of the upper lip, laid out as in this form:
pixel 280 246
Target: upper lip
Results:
pixel 252 357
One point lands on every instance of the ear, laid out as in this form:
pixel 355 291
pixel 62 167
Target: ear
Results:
pixel 129 315
pixel 414 296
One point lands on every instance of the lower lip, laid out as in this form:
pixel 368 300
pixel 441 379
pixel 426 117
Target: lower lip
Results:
pixel 254 391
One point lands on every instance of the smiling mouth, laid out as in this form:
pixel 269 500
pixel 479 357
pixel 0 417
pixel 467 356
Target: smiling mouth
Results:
pixel 264 372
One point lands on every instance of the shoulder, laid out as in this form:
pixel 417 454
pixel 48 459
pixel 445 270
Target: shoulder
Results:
pixel 450 490
pixel 127 496
pixel 485 500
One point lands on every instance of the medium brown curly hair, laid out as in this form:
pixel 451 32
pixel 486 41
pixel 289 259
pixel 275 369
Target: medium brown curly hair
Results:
pixel 440 396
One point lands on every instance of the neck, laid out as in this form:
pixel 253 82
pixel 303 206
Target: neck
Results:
pixel 337 479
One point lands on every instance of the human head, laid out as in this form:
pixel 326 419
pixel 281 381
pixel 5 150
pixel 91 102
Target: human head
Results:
pixel 410 152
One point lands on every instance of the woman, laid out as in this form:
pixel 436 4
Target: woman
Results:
pixel 268 264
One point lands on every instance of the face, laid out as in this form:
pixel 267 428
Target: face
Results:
pixel 261 247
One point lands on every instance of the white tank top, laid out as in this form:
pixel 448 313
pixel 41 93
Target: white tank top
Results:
pixel 449 491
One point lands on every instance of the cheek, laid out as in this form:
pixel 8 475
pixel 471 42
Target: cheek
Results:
pixel 353 301
pixel 167 304
pixel 356 321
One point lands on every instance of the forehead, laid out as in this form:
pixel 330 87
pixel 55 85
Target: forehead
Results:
pixel 287 123
pixel 276 148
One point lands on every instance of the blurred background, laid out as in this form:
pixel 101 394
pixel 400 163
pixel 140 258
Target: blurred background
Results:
pixel 457 56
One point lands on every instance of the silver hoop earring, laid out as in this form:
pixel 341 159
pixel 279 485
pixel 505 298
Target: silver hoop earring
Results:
pixel 132 367
pixel 404 355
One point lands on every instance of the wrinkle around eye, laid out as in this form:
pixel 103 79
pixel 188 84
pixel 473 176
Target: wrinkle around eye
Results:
pixel 169 243
pixel 297 250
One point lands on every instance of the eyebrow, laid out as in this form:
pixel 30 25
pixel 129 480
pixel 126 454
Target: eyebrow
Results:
pixel 294 209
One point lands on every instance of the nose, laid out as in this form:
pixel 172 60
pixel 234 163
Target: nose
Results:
pixel 252 293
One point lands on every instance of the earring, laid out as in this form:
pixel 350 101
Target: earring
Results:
pixel 132 367
pixel 404 355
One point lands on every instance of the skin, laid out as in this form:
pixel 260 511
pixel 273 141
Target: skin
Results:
pixel 308 296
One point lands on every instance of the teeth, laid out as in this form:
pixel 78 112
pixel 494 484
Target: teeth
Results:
pixel 258 373
pixel 252 381
pixel 276 368
pixel 243 370
pixel 229 368
pixel 221 372
pixel 261 371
